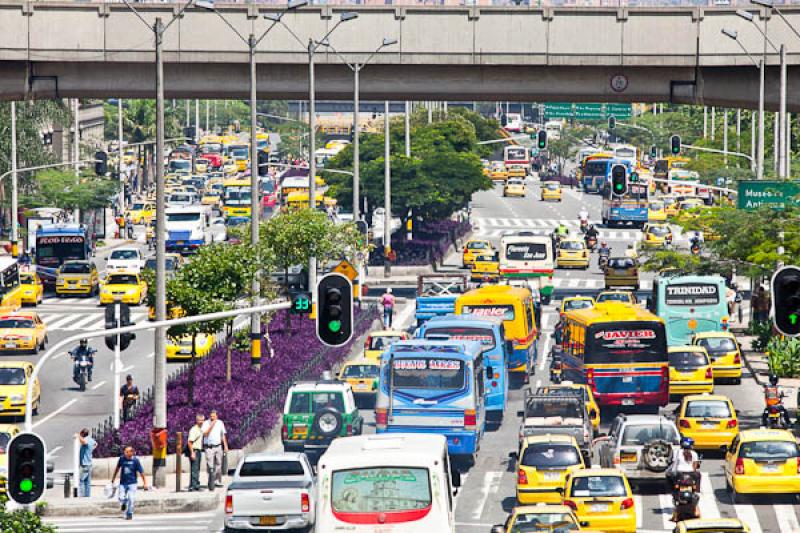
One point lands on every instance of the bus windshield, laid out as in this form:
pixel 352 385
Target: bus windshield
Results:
pixel 526 251
pixel 428 373
pixel 596 168
pixel 237 193
pixel 380 490
pixel 482 335
pixel 624 343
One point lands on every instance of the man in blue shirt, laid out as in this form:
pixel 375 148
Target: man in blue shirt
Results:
pixel 129 466
pixel 88 444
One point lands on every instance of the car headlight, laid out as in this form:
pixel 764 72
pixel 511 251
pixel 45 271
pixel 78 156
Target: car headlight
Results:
pixel 16 397
pixel 130 291
pixel 84 282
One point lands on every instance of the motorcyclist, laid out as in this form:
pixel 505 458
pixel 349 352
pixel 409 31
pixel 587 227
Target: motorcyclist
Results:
pixel 773 398
pixel 695 241
pixel 583 216
pixel 591 233
pixel 562 230
pixel 684 461
pixel 83 350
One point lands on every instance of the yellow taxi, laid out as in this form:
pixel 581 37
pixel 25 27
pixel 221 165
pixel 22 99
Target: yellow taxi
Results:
pixel 7 432
pixel 141 212
pixel 180 350
pixel 129 157
pixel 485 167
pixel 543 465
pixel 601 497
pixel 656 211
pixel 709 419
pixel 708 525
pixel 656 235
pixel 362 375
pixel 229 167
pixel 498 171
pixel 212 198
pixel 23 331
pixel 571 303
pixel 485 268
pixel 15 378
pixel 532 518
pixel 551 190
pixel 125 287
pixel 572 252
pixel 726 357
pixel 32 287
pixel 690 370
pixel 173 311
pixel 77 277
pixel 473 249
pixel 514 187
pixel 379 341
pixel 568 388
pixel 201 165
pixel 616 296
pixel 671 207
pixel 762 461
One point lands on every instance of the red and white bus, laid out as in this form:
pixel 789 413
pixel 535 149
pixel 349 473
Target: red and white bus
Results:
pixel 517 161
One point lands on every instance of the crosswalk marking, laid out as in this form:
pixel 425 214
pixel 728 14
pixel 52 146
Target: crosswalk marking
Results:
pixel 638 505
pixel 787 519
pixel 59 322
pixel 82 321
pixel 748 515
pixel 665 504
pixel 81 324
pixel 498 231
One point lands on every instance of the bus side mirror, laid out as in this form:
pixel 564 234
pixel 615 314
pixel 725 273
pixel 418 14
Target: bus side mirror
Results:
pixel 455 476
pixel 509 347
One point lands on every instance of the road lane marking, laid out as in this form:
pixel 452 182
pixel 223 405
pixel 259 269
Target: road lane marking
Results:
pixel 151 355
pixel 98 385
pixel 491 482
pixel 748 515
pixel 665 504
pixel 639 508
pixel 54 413
pixel 544 350
pixel 59 323
pixel 787 520
pixel 708 502
pixel 84 322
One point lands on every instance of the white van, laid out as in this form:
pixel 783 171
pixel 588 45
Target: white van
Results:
pixel 188 228
pixel 391 482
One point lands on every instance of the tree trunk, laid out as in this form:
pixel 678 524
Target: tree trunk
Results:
pixel 190 388
pixel 229 343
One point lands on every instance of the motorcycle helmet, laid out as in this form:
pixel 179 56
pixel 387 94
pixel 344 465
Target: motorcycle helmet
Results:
pixel 687 443
pixel 604 243
pixel 773 380
pixel 84 343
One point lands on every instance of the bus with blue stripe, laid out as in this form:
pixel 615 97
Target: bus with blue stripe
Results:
pixel 515 307
pixel 690 304
pixel 433 386
pixel 630 207
pixel 620 351
pixel 595 170
pixel 491 334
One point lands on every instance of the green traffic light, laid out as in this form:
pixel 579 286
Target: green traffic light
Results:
pixel 793 319
pixel 26 485
pixel 335 326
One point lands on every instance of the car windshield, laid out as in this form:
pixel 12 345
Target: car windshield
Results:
pixel 687 359
pixel 477 246
pixel 137 207
pixel 379 490
pixel 360 371
pixel 550 455
pixel 613 297
pixel 714 345
pixel 16 323
pixel 572 245
pixel 271 469
pixel 12 376
pixel 707 409
pixel 125 255
pixel 620 262
pixel 123 279
pixel 240 153
pixel 553 522
pixel 768 450
pixel 554 407
pixel 598 486
pixel 569 305
pixel 640 434
pixel 76 268
pixel 656 206
pixel 552 186
pixel 183 217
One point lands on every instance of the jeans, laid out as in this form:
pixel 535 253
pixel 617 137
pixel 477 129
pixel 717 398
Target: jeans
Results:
pixel 194 482
pixel 85 482
pixel 214 465
pixel 127 494
pixel 387 317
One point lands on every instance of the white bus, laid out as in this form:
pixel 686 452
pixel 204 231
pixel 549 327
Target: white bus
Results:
pixel 392 482
pixel 517 161
pixel 513 122
pixel 554 129
pixel 525 255
pixel 626 152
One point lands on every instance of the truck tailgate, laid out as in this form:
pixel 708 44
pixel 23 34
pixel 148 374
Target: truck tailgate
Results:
pixel 274 498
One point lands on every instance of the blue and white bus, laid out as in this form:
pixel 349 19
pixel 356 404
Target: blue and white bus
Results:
pixel 690 304
pixel 56 243
pixel 491 334
pixel 629 208
pixel 595 169
pixel 432 386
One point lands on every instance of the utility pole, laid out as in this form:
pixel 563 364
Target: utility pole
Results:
pixel 207 106
pixel 119 160
pixel 408 129
pixel 387 192
pixel 761 126
pixel 255 206
pixel 776 145
pixel 312 162
pixel 782 137
pixel 713 122
pixel 738 129
pixel 753 141
pixel 14 191
pixel 356 141
pixel 725 137
pixel 196 120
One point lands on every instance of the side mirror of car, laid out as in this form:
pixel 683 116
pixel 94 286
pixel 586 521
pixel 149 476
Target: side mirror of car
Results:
pixel 584 524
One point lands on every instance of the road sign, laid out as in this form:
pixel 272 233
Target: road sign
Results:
pixel 346 269
pixel 755 194
pixel 587 111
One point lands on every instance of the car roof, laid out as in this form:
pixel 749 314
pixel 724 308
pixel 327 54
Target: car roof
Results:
pixel 548 437
pixel 750 435
pixel 708 523
pixel 541 509
pixel 593 471
pixel 273 456
pixel 361 361
pixel 9 428
pixel 388 333
pixel 312 386
pixel 706 397
pixel 710 334
pixel 647 419
pixel 15 364
pixel 686 348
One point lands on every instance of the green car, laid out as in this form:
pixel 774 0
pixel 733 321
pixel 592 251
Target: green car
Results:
pixel 315 413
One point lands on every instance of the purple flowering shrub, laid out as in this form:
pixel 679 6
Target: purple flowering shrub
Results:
pixel 251 403
pixel 430 243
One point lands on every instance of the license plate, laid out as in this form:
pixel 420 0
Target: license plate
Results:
pixel 627 458
pixel 599 508
pixel 552 476
pixel 179 243
pixel 628 401
pixel 10 345
pixel 627 379
pixel 708 425
pixel 769 468
pixel 267 520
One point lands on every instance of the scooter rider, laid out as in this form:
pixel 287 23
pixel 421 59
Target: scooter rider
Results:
pixel 78 353
pixel 684 461
pixel 591 233
pixel 773 398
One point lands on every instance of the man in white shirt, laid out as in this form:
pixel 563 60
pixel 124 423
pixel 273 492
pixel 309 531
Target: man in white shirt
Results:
pixel 215 444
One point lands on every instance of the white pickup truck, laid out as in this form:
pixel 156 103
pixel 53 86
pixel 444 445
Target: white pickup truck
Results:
pixel 271 491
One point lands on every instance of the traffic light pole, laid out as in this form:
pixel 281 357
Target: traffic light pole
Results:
pixel 117 369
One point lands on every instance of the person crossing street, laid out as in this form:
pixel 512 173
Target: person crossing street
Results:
pixel 127 467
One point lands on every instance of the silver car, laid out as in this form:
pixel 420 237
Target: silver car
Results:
pixel 640 445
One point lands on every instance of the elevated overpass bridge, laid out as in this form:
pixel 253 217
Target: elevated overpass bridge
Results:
pixel 88 49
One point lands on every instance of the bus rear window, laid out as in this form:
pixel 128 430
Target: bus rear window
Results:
pixel 526 251
pixel 380 490
pixel 482 335
pixel 596 168
pixel 428 373
pixel 633 342
pixel 691 294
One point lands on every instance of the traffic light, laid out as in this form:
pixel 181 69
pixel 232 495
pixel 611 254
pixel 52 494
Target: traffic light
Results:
pixel 619 180
pixel 27 468
pixel 100 163
pixel 503 119
pixel 654 151
pixel 786 300
pixel 675 144
pixel 334 309
pixel 541 139
pixel 301 303
pixel 612 122
pixel 634 177
pixel 123 311
pixel 263 160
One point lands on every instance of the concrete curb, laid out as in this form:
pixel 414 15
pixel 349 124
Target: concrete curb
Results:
pixel 145 504
pixel 746 357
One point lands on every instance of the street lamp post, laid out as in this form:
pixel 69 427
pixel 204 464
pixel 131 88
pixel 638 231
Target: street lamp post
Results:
pixel 734 35
pixel 119 158
pixel 356 68
pixel 14 192
pixel 252 43
pixel 387 193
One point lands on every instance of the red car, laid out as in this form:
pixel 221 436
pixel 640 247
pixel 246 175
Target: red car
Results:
pixel 214 159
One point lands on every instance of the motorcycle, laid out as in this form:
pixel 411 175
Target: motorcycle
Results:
pixel 555 366
pixel 591 243
pixel 775 416
pixel 603 261
pixel 685 498
pixel 82 369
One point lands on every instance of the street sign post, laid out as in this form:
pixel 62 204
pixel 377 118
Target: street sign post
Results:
pixel 777 194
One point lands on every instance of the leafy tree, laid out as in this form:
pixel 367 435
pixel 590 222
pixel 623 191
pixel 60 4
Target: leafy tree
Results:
pixel 62 189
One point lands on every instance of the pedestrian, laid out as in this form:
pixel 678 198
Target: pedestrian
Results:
pixel 760 304
pixel 216 444
pixel 88 444
pixel 196 452
pixel 128 396
pixel 388 308
pixel 127 467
